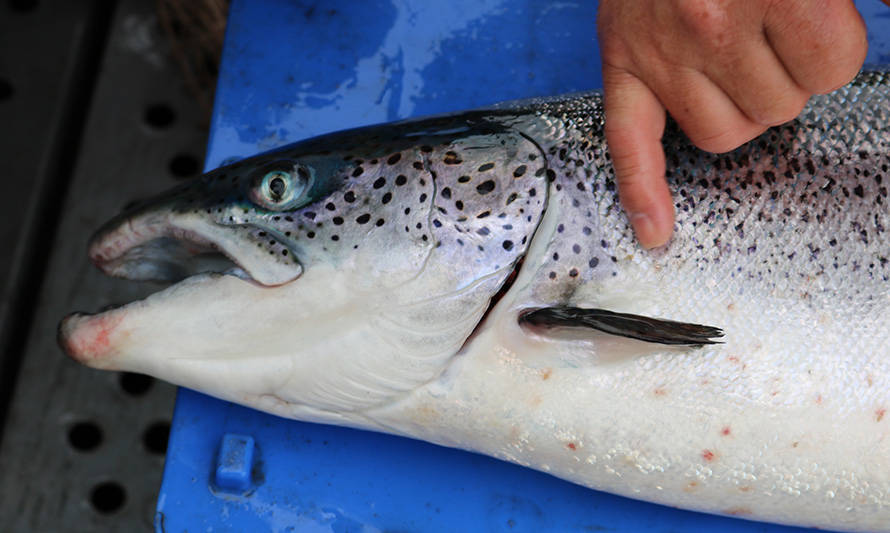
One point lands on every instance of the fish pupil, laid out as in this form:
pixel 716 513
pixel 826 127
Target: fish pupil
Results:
pixel 277 186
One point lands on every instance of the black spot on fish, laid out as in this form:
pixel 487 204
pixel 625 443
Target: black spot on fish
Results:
pixel 446 193
pixel 401 180
pixel 379 183
pixel 363 219
pixel 422 197
pixel 463 179
pixel 418 165
pixel 349 197
pixel 593 262
pixel 486 167
pixel 393 159
pixel 337 220
pixel 380 222
pixel 485 187
pixel 386 198
pixel 520 171
pixel 483 214
pixel 452 158
pixel 508 245
pixel 357 172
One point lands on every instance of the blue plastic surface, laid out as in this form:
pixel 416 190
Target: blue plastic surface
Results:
pixel 296 69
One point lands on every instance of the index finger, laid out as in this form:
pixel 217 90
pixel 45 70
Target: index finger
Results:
pixel 634 126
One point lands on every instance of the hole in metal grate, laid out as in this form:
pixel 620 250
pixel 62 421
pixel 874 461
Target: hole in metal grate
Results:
pixel 108 497
pixel 135 384
pixel 184 166
pixel 85 436
pixel 23 5
pixel 156 436
pixel 159 116
pixel 5 90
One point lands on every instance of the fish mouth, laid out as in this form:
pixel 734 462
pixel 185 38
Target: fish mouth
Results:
pixel 171 248
pixel 190 252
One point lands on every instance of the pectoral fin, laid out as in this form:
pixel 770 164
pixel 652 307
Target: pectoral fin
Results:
pixel 639 327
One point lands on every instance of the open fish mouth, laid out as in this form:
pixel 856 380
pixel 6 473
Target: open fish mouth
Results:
pixel 193 253
pixel 170 248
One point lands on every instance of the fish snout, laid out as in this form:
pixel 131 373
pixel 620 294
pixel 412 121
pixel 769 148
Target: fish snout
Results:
pixel 88 339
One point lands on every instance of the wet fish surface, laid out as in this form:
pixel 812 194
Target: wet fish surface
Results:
pixel 471 280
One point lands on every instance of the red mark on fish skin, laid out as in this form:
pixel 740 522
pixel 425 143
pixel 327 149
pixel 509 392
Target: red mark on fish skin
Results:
pixel 571 446
pixel 707 455
pixel 90 337
pixel 745 488
pixel 737 511
pixel 725 431
pixel 794 444
pixel 659 391
pixel 736 360
pixel 870 380
pixel 545 373
pixel 690 487
pixel 819 399
pixel 879 414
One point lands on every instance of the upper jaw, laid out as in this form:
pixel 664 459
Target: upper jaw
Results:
pixel 171 246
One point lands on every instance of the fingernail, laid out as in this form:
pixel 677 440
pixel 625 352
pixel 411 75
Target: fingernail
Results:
pixel 645 230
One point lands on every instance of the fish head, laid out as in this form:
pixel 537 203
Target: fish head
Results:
pixel 320 278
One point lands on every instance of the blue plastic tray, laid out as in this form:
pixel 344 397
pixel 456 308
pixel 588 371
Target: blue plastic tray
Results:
pixel 293 70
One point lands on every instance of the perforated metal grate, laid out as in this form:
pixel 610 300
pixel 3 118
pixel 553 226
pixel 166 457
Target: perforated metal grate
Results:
pixel 93 115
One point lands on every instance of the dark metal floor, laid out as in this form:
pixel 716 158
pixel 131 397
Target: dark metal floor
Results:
pixel 91 110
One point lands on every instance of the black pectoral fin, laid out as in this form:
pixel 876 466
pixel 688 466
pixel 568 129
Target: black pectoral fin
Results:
pixel 639 327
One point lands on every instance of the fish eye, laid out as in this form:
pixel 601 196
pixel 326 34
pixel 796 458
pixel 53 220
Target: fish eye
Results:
pixel 282 188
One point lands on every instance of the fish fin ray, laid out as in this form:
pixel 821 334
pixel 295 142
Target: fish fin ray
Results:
pixel 644 328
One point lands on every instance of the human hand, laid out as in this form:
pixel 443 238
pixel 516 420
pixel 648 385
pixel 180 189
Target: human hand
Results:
pixel 725 70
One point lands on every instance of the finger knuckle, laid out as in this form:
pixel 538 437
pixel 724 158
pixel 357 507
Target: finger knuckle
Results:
pixel 782 110
pixel 708 21
pixel 837 55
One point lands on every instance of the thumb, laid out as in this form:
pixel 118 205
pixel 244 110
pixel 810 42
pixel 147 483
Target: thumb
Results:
pixel 634 126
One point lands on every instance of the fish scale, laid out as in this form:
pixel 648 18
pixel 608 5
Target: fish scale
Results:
pixel 472 280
